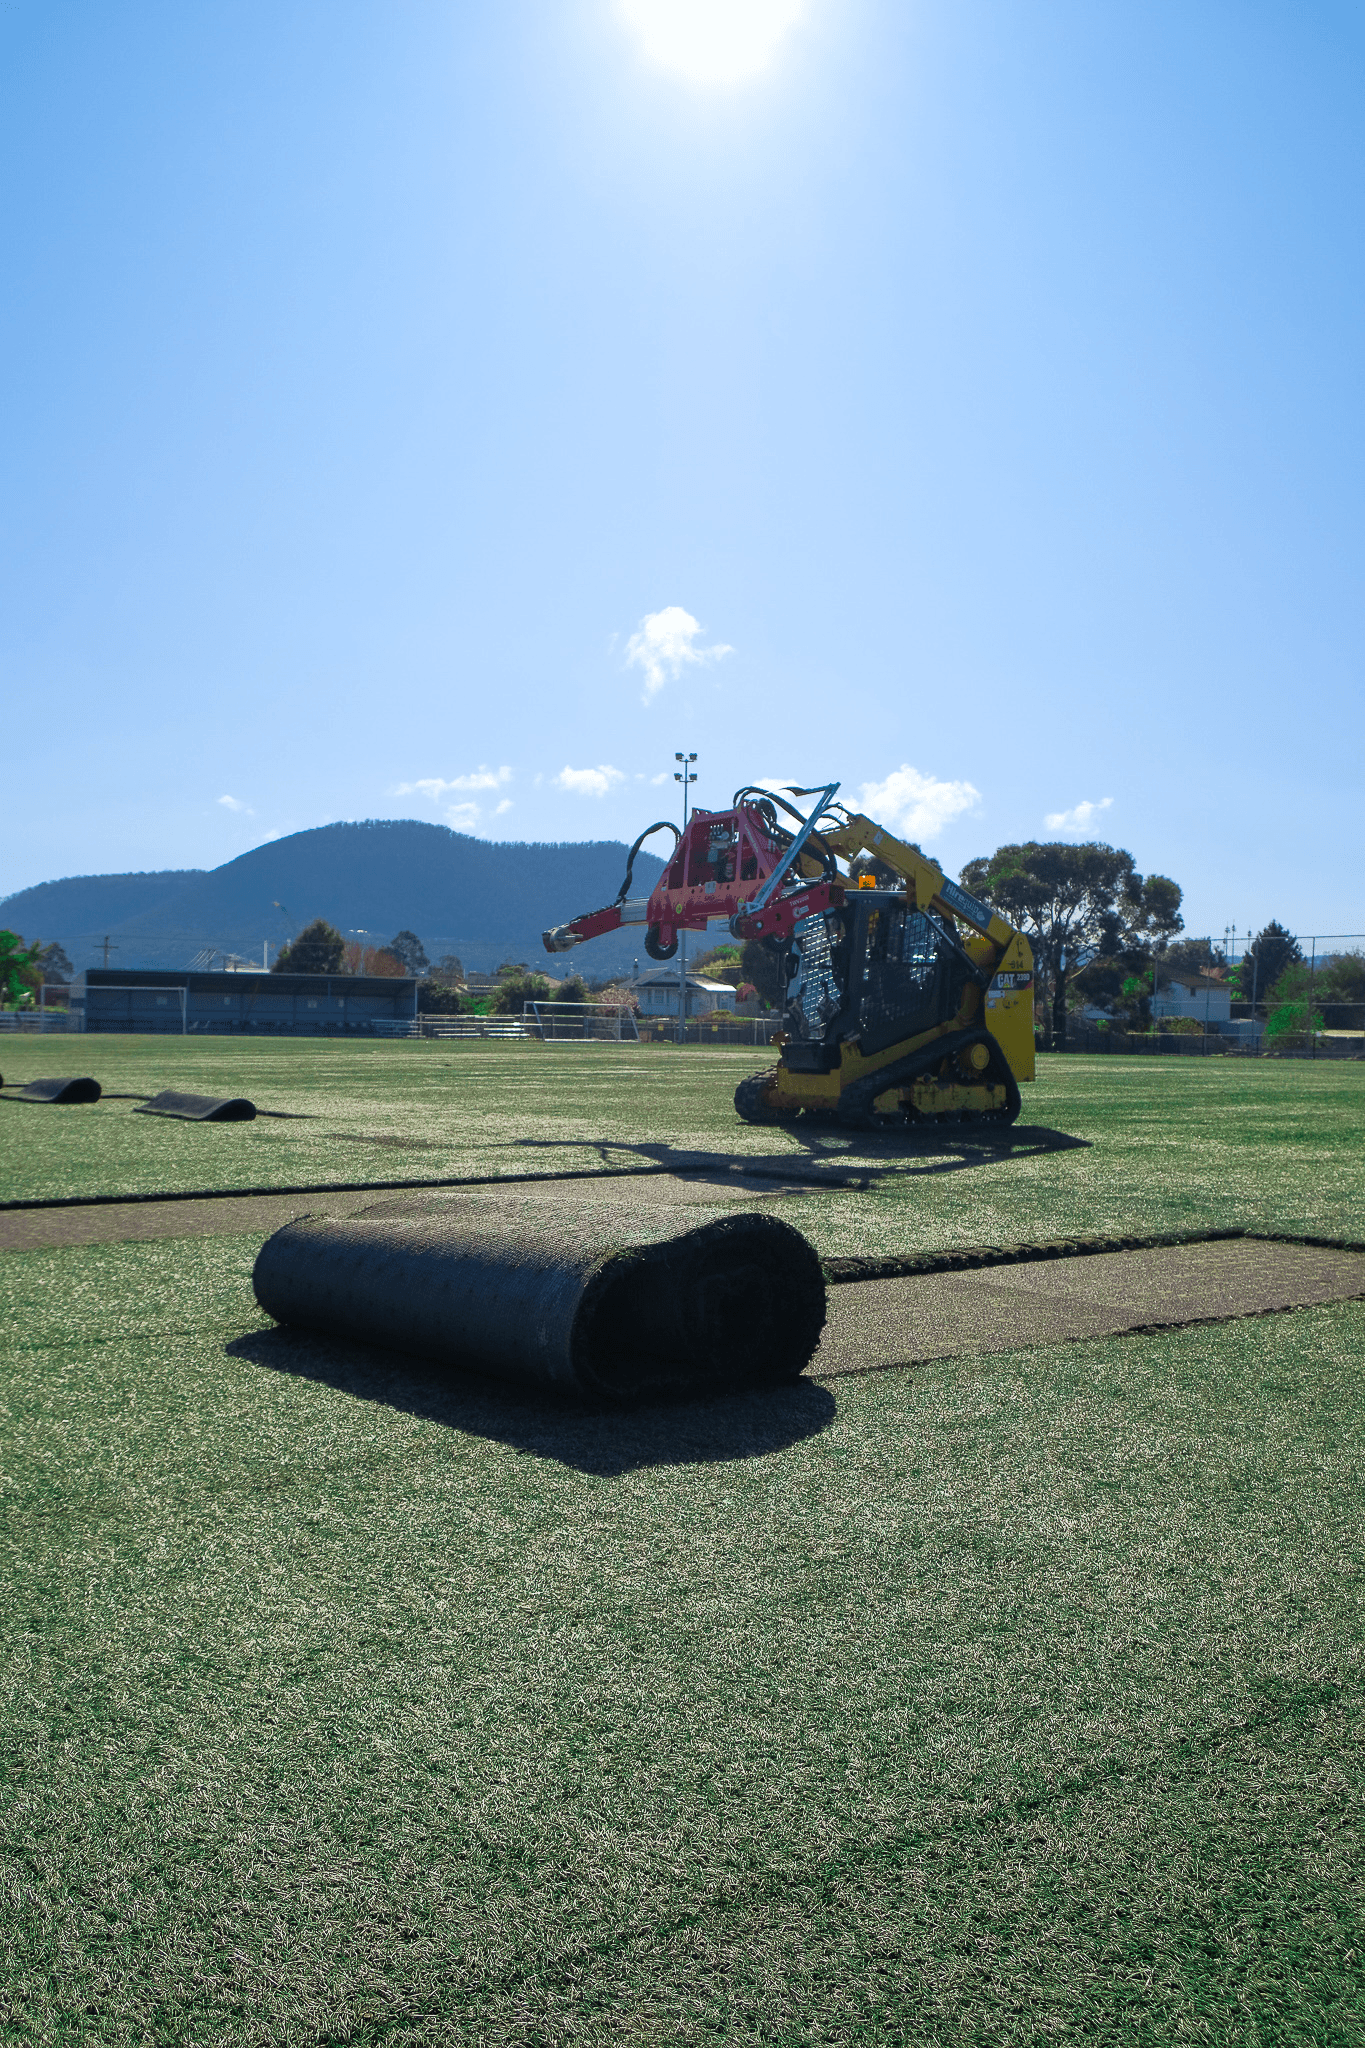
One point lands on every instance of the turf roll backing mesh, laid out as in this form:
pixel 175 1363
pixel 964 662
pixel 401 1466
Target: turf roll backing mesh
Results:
pixel 595 1299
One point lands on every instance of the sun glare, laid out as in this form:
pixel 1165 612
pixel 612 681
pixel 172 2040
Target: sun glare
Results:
pixel 713 41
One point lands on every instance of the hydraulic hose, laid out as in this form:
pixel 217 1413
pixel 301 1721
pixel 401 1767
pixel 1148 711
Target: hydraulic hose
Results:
pixel 659 825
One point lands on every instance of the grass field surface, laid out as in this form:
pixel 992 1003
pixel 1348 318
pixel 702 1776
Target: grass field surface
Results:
pixel 1163 1143
pixel 1011 1698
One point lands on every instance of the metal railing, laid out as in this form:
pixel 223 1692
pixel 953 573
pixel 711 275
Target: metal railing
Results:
pixel 710 1030
pixel 1325 1045
pixel 50 1012
pixel 436 1025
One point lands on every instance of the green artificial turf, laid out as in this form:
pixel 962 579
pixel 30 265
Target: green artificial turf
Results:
pixel 1168 1144
pixel 1011 1699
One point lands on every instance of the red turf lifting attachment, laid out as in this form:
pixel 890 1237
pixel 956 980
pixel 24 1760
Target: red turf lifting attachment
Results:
pixel 738 871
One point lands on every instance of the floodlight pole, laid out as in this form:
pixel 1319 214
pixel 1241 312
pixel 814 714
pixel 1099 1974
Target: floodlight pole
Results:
pixel 686 776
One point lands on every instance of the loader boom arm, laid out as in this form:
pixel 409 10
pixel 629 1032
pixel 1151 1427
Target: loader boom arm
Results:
pixel 930 888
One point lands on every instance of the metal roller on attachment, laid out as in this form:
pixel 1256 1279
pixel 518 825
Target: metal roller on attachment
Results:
pixel 592 1299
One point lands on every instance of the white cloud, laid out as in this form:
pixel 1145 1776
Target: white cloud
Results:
pixel 462 817
pixel 233 803
pixel 663 647
pixel 1077 818
pixel 505 805
pixel 435 786
pixel 588 781
pixel 917 805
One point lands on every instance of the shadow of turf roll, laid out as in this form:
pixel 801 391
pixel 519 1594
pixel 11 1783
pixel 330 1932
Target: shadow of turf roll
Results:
pixel 594 1299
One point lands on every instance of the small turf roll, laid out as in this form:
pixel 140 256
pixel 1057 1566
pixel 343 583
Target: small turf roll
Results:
pixel 68 1088
pixel 590 1298
pixel 199 1109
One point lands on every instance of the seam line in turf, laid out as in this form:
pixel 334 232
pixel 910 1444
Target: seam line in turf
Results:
pixel 548 1972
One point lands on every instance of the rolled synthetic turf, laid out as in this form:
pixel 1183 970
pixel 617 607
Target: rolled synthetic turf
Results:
pixel 68 1088
pixel 199 1109
pixel 595 1299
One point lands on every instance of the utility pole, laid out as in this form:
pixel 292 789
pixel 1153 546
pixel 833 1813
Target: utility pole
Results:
pixel 108 949
pixel 1255 976
pixel 686 775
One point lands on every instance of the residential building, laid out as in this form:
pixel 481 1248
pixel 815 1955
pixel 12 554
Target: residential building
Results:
pixel 657 994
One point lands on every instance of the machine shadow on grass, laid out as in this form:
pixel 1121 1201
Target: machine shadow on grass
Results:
pixel 838 1158
pixel 606 1442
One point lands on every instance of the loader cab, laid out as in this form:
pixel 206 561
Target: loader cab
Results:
pixel 874 969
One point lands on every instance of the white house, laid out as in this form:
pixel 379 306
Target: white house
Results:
pixel 1194 995
pixel 1209 1002
pixel 657 994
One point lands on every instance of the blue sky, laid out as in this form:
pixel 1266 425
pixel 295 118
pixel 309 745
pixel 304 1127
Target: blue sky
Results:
pixel 407 403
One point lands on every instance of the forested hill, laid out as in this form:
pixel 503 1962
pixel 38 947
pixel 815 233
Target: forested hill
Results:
pixel 486 901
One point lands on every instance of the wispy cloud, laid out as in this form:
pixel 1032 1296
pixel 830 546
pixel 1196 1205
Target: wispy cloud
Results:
pixel 436 786
pixel 663 647
pixel 234 803
pixel 588 781
pixel 1078 817
pixel 462 817
pixel 918 805
pixel 505 805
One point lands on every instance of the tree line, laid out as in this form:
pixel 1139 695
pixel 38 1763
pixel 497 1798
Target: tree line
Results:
pixel 1103 933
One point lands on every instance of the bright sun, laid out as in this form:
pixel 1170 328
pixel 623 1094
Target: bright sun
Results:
pixel 715 41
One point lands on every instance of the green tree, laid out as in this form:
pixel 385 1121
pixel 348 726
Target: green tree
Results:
pixel 318 949
pixel 1120 982
pixel 1341 988
pixel 761 963
pixel 55 964
pixel 514 991
pixel 450 968
pixel 1290 1019
pixel 20 973
pixel 722 963
pixel 408 949
pixel 437 998
pixel 1074 903
pixel 1265 960
pixel 1192 956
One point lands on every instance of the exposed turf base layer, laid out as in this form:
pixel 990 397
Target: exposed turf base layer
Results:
pixel 604 1303
pixel 976 1258
pixel 199 1109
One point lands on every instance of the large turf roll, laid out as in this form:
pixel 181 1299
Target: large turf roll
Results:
pixel 591 1298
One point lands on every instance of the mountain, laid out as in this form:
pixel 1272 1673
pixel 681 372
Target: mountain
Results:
pixel 487 902
pixel 89 904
